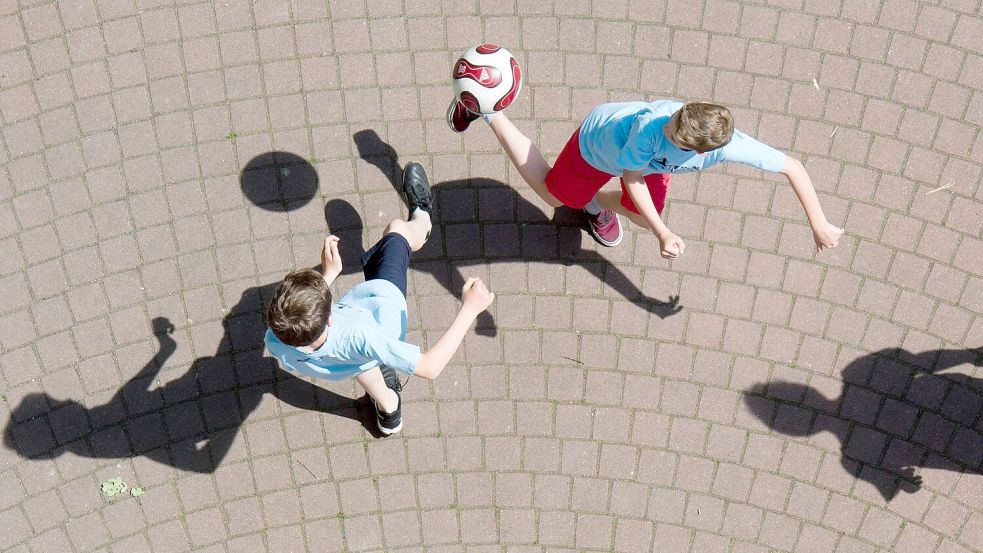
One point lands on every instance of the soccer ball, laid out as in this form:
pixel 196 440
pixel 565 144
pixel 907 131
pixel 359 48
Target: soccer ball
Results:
pixel 487 79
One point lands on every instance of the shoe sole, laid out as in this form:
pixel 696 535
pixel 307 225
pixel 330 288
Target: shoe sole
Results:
pixel 389 431
pixel 407 189
pixel 386 431
pixel 450 118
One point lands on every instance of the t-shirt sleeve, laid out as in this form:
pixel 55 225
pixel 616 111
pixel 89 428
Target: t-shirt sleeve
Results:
pixel 748 151
pixel 639 147
pixel 277 350
pixel 392 352
pixel 289 361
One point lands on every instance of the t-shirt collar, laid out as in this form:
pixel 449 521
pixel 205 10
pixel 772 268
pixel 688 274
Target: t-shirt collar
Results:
pixel 674 155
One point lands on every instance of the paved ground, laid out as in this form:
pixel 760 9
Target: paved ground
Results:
pixel 784 402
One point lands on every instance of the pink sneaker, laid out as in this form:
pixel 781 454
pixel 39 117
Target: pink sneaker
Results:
pixel 458 116
pixel 604 227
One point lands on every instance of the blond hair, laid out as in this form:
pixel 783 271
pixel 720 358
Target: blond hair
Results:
pixel 703 126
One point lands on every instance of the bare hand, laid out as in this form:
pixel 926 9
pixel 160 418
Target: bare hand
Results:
pixel 476 296
pixel 330 258
pixel 672 246
pixel 826 236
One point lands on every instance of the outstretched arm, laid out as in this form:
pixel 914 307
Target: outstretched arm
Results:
pixel 476 298
pixel 825 234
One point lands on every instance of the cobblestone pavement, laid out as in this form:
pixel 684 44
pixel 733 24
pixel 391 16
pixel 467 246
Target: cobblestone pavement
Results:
pixel 749 397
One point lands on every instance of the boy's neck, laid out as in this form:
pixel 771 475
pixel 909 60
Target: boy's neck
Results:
pixel 316 344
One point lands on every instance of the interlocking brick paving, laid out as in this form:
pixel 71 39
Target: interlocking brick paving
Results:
pixel 163 164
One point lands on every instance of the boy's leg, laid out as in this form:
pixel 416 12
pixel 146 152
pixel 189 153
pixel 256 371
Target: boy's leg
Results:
pixel 375 385
pixel 383 387
pixel 389 258
pixel 611 199
pixel 525 156
pixel 621 202
pixel 578 180
pixel 415 230
pixel 419 196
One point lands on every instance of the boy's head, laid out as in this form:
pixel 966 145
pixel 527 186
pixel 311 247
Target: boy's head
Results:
pixel 702 126
pixel 299 310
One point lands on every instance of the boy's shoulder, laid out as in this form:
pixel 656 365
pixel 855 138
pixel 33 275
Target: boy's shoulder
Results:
pixel 374 292
pixel 665 106
pixel 657 108
pixel 275 346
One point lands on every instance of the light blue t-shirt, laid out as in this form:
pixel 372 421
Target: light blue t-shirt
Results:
pixel 628 136
pixel 368 325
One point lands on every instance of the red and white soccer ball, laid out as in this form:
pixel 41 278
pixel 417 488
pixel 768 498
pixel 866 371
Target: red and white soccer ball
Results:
pixel 487 79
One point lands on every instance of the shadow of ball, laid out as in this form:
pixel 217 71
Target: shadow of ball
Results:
pixel 278 181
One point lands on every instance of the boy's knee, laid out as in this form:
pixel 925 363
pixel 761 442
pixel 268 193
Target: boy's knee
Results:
pixel 398 226
pixel 403 228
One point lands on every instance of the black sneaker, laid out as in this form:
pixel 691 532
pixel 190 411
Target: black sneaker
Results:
pixel 416 188
pixel 390 423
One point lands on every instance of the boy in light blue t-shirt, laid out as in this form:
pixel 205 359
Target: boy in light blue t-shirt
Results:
pixel 362 335
pixel 643 143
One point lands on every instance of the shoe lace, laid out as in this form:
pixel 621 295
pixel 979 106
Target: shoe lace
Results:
pixel 395 385
pixel 466 113
pixel 604 217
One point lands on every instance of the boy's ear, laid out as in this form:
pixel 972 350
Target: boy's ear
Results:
pixel 329 320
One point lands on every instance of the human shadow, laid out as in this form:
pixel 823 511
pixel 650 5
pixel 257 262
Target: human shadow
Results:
pixel 897 412
pixel 190 422
pixel 482 221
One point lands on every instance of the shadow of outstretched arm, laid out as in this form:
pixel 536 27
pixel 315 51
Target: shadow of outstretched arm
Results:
pixel 933 361
pixel 613 276
pixel 136 393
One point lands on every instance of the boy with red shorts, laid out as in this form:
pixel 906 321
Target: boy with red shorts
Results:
pixel 643 144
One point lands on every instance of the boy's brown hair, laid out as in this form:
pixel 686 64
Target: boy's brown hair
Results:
pixel 703 127
pixel 300 307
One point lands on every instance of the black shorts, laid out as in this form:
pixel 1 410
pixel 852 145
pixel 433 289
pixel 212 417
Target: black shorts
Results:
pixel 388 259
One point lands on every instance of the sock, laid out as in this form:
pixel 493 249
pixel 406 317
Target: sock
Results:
pixel 420 213
pixel 489 116
pixel 593 207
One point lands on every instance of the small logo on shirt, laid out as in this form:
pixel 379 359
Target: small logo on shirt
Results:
pixel 666 167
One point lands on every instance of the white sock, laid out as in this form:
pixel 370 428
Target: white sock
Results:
pixel 420 214
pixel 593 207
pixel 489 116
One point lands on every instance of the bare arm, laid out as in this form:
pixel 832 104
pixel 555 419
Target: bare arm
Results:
pixel 476 298
pixel 330 259
pixel 672 245
pixel 825 234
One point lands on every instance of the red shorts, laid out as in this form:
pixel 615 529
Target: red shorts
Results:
pixel 574 181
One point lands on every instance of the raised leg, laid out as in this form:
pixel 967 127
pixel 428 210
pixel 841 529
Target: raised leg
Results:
pixel 525 156
pixel 415 230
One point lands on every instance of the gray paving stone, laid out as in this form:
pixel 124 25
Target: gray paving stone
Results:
pixel 786 406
